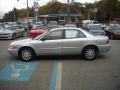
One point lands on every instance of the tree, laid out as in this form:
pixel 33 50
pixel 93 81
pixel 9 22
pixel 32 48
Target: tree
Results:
pixel 107 10
pixel 22 13
pixel 53 8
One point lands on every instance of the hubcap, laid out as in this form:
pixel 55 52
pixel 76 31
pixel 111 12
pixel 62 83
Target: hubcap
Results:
pixel 26 55
pixel 90 53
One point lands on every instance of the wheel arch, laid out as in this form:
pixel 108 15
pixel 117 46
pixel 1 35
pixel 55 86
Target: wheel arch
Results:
pixel 25 47
pixel 91 45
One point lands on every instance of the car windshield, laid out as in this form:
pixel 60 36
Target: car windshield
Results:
pixel 9 28
pixel 95 22
pixel 115 27
pixel 23 24
pixel 38 23
pixel 70 25
pixel 52 23
pixel 40 27
pixel 94 28
pixel 36 27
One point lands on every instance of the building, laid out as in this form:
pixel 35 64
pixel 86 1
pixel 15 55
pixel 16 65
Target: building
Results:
pixel 30 19
pixel 62 16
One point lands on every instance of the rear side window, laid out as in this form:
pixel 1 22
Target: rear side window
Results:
pixel 73 34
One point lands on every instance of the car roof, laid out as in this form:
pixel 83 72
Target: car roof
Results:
pixel 62 28
pixel 80 29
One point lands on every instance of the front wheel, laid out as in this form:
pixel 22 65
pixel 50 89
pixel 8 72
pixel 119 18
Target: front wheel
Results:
pixel 26 54
pixel 89 53
pixel 13 36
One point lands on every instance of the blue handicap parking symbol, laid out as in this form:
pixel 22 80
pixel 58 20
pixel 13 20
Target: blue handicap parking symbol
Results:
pixel 18 71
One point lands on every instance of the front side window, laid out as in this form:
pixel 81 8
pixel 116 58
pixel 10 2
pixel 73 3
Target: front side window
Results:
pixel 53 35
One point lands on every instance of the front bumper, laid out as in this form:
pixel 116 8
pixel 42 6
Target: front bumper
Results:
pixel 5 36
pixel 104 48
pixel 13 52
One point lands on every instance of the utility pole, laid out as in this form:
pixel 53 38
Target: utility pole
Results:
pixel 27 16
pixel 36 7
pixel 59 14
pixel 68 10
pixel 95 11
pixel 14 14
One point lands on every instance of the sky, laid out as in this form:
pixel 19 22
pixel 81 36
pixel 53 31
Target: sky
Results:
pixel 8 5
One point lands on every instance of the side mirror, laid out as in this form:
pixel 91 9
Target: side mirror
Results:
pixel 43 39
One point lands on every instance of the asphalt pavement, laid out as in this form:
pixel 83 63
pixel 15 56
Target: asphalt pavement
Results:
pixel 60 72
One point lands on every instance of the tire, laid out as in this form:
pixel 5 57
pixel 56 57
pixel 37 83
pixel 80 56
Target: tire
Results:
pixel 89 53
pixel 13 36
pixel 111 37
pixel 26 54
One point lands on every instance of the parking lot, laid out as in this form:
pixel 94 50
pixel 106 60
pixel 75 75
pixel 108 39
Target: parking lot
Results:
pixel 60 72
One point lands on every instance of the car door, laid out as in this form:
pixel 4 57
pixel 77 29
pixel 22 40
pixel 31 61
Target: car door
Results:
pixel 16 31
pixel 74 41
pixel 51 43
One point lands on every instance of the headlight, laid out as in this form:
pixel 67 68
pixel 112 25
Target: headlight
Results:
pixel 12 46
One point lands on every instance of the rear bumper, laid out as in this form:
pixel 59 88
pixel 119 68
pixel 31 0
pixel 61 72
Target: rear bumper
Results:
pixel 104 48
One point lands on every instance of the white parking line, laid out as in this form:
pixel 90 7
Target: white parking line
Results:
pixel 59 77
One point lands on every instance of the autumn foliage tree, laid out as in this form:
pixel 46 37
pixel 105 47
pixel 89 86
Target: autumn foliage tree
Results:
pixel 107 10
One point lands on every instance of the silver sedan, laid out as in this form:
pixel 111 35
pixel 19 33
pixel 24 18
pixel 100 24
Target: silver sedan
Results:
pixel 61 41
pixel 11 32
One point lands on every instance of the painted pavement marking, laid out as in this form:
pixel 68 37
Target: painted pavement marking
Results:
pixel 56 77
pixel 18 71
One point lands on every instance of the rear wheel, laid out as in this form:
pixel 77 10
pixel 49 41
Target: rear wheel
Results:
pixel 26 54
pixel 90 53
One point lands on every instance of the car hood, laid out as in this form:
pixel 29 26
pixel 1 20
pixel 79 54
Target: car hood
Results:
pixel 5 31
pixel 25 42
pixel 18 42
